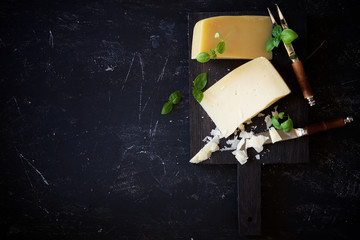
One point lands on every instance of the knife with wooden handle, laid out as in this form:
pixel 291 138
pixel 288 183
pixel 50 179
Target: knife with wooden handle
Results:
pixel 297 65
pixel 308 130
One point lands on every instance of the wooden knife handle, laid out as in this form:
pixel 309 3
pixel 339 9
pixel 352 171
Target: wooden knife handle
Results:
pixel 303 82
pixel 327 125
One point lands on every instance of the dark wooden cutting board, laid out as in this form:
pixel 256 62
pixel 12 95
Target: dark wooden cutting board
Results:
pixel 293 104
pixel 293 151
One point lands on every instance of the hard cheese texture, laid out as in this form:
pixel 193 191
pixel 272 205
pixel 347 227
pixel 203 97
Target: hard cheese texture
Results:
pixel 246 36
pixel 243 93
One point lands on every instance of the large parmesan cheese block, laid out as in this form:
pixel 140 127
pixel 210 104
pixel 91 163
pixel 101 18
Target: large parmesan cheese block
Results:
pixel 243 93
pixel 246 36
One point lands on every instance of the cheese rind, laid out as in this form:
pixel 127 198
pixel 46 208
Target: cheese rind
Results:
pixel 243 93
pixel 246 36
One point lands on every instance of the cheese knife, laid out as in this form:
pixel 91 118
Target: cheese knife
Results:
pixel 309 130
pixel 296 63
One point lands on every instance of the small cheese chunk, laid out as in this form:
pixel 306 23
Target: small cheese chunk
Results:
pixel 274 135
pixel 241 156
pixel 246 36
pixel 206 151
pixel 244 134
pixel 240 144
pixel 256 142
pixel 268 121
pixel 242 94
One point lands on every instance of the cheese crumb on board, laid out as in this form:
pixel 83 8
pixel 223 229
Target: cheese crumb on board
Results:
pixel 241 156
pixel 216 132
pixel 274 135
pixel 268 121
pixel 257 156
pixel 206 151
pixel 244 134
pixel 256 142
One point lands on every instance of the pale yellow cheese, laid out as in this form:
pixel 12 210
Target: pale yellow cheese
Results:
pixel 206 151
pixel 274 135
pixel 246 36
pixel 256 142
pixel 241 156
pixel 242 94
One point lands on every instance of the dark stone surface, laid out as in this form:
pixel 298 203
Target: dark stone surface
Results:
pixel 85 153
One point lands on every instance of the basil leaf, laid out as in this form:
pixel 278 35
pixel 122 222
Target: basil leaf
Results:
pixel 167 108
pixel 220 48
pixel 213 53
pixel 276 41
pixel 287 125
pixel 275 123
pixel 281 115
pixel 200 81
pixel 277 31
pixel 270 44
pixel 198 95
pixel 175 97
pixel 288 35
pixel 203 57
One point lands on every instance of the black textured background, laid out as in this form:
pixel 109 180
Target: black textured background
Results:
pixel 85 153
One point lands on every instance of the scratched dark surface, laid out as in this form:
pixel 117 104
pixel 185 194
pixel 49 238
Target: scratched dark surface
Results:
pixel 86 154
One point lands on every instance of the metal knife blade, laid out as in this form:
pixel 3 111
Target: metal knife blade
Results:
pixel 289 47
pixel 293 133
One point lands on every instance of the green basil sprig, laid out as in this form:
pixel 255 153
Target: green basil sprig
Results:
pixel 286 126
pixel 204 57
pixel 287 36
pixel 174 98
pixel 199 84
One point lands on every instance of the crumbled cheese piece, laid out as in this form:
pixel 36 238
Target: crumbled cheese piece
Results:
pixel 244 134
pixel 240 144
pixel 234 142
pixel 248 122
pixel 274 135
pixel 256 142
pixel 275 113
pixel 268 121
pixel 257 156
pixel 206 151
pixel 216 132
pixel 241 156
pixel 261 115
pixel 207 139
